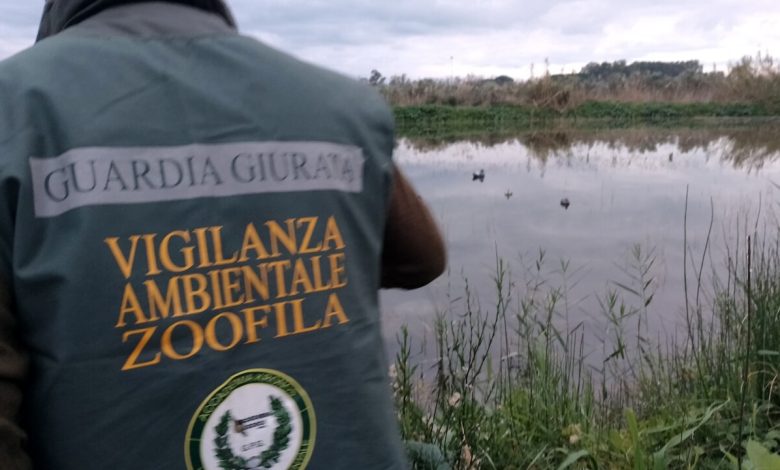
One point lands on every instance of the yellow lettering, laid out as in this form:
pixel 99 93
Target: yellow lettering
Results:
pixel 191 293
pixel 307 236
pixel 252 323
pixel 298 320
pixel 187 252
pixel 279 267
pixel 334 309
pixel 255 283
pixel 132 359
pixel 252 242
pixel 130 305
pixel 197 340
pixel 125 263
pixel 203 247
pixel 337 270
pixel 163 306
pixel 281 320
pixel 216 291
pixel 300 278
pixel 231 287
pixel 316 269
pixel 211 333
pixel 332 235
pixel 219 255
pixel 286 238
pixel 151 256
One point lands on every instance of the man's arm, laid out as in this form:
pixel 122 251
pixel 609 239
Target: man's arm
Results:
pixel 13 365
pixel 414 252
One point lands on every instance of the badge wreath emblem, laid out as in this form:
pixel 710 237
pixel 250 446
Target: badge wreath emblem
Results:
pixel 258 419
pixel 268 457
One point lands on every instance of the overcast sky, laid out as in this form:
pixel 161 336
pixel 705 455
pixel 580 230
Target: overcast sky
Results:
pixel 442 38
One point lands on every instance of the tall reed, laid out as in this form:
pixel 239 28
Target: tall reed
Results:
pixel 516 383
pixel 750 80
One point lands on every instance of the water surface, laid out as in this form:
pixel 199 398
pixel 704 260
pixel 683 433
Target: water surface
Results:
pixel 626 188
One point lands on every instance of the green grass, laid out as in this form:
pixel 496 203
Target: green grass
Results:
pixel 664 111
pixel 437 120
pixel 513 387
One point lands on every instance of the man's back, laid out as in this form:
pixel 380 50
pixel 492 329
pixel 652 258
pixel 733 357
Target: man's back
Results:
pixel 192 226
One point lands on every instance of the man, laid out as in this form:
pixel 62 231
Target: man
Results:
pixel 193 230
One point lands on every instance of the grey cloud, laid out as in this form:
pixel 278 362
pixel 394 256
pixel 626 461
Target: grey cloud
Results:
pixel 18 25
pixel 408 36
pixel 314 22
pixel 21 13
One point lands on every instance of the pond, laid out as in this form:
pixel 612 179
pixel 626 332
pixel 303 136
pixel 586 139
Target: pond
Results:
pixel 636 197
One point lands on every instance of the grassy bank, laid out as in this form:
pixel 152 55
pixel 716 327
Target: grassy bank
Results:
pixel 601 95
pixel 514 386
pixel 753 80
pixel 436 120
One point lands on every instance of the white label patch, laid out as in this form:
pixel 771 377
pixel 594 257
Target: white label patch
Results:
pixel 131 175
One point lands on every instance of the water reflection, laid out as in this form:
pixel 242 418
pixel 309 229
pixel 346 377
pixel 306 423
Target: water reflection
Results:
pixel 587 199
pixel 745 146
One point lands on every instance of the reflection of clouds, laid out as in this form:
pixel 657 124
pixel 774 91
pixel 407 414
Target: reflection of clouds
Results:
pixel 742 147
pixel 594 158
pixel 618 198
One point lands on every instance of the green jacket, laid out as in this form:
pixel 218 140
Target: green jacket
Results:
pixel 192 227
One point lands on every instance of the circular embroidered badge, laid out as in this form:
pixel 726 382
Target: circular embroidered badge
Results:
pixel 258 419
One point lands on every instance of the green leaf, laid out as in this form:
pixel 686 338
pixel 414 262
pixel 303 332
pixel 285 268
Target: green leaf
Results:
pixel 572 458
pixel 633 426
pixel 761 458
pixel 730 457
pixel 626 288
pixel 617 440
pixel 685 435
pixel 660 461
pixel 538 457
pixel 765 352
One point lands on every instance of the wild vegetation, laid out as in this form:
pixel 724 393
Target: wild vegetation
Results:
pixel 519 381
pixel 514 383
pixel 622 93
pixel 751 80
